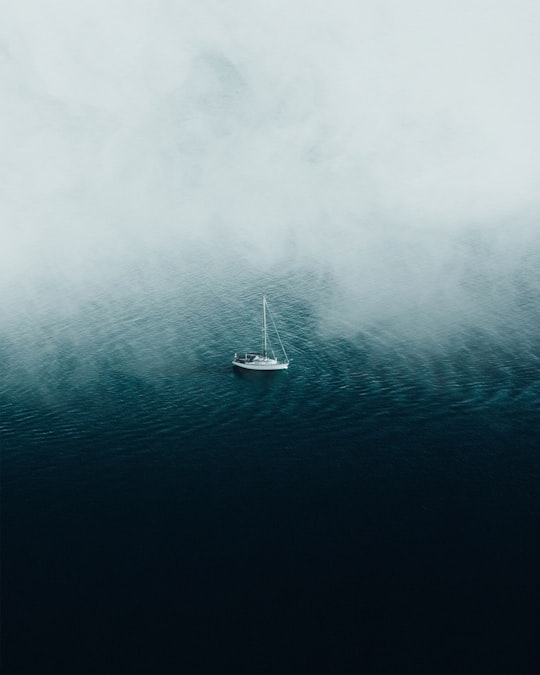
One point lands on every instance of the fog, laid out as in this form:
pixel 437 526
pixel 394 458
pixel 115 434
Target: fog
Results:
pixel 389 147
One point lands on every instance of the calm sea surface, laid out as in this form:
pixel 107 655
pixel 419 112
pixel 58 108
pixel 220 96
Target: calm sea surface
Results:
pixel 375 508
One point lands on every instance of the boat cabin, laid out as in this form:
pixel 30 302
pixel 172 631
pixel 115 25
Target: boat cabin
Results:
pixel 248 357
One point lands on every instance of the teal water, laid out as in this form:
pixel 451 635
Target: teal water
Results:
pixel 375 508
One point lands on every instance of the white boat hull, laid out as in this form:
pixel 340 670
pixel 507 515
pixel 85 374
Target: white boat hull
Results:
pixel 261 365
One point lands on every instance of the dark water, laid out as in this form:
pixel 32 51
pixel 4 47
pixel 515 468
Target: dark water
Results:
pixel 375 508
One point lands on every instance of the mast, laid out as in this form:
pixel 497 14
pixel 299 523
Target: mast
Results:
pixel 264 326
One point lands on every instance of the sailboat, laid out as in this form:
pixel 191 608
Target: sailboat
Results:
pixel 266 359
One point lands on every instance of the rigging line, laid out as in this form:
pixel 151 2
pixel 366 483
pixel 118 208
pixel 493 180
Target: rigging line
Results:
pixel 277 332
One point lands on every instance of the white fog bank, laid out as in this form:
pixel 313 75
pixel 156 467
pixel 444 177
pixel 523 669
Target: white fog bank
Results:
pixel 391 145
